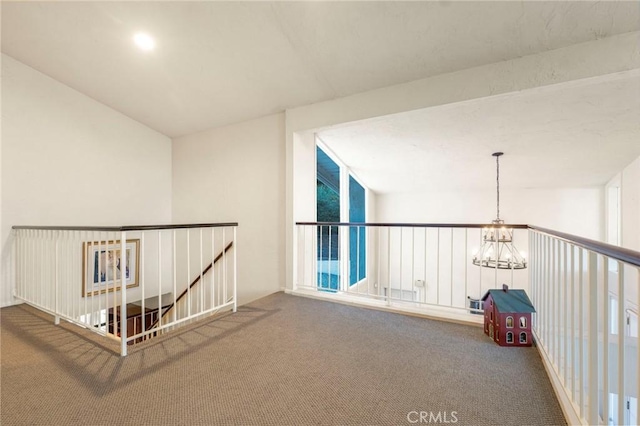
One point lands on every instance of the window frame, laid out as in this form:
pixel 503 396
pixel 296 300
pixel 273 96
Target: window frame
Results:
pixel 510 317
pixel 344 247
pixel 523 322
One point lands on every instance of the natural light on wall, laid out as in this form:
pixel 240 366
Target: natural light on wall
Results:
pixel 144 41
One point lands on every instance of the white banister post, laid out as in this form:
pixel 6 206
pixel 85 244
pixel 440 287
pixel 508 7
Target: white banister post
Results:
pixel 592 340
pixel 388 266
pixel 56 318
pixel 235 269
pixel 605 339
pixel 621 343
pixel 123 293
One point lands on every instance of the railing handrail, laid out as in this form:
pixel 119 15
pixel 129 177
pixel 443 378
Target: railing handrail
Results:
pixel 626 255
pixel 126 228
pixel 416 225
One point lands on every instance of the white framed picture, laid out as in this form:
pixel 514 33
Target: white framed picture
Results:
pixel 102 271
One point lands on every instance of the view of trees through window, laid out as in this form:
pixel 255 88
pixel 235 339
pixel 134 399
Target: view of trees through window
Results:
pixel 328 204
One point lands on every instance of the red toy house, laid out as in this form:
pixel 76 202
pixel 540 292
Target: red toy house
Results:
pixel 507 317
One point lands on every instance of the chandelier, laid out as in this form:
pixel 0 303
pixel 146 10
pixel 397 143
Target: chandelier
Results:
pixel 497 249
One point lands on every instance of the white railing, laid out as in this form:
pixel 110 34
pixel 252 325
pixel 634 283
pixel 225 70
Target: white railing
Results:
pixel 586 295
pixel 424 268
pixel 173 274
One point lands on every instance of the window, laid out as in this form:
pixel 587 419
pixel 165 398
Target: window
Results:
pixel 509 337
pixel 523 337
pixel 523 322
pixel 509 322
pixel 340 197
pixel 328 210
pixel 491 315
pixel 491 330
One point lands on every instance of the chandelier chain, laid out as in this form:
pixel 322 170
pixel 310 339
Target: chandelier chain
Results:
pixel 498 186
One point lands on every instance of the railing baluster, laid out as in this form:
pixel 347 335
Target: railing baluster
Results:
pixel 466 265
pixel 235 269
pixel 224 267
pixel 123 293
pixel 573 326
pixel 189 273
pixel 357 259
pixel 480 294
pixel 400 269
pixel 546 253
pixel 326 264
pixel 313 257
pixel 378 262
pixel 513 256
pixel 368 257
pixel 69 275
pixel 175 276
pixel 556 306
pixel 201 283
pixel 57 279
pixel 159 314
pixel 592 337
pixel 90 315
pixel 605 340
pixel 438 270
pixel 581 330
pixel 621 345
pixel 426 260
pixel 565 312
pixel 413 255
pixel 451 272
pixel 213 267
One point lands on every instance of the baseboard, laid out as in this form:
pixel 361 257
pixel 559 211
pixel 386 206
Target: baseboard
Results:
pixel 429 312
pixel 568 408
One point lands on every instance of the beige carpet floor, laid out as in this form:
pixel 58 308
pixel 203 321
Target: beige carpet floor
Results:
pixel 282 360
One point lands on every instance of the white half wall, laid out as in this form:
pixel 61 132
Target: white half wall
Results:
pixel 69 160
pixel 236 174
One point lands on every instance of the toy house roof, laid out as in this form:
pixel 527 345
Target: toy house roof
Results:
pixel 510 301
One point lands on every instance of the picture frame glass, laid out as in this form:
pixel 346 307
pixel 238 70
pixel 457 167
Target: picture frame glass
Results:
pixel 102 269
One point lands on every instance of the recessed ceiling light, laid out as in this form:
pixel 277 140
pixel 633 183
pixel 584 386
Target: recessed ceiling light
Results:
pixel 144 41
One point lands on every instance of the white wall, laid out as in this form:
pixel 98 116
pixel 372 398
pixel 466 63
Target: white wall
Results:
pixel 575 211
pixel 446 266
pixel 596 59
pixel 630 205
pixel 629 182
pixel 69 160
pixel 236 174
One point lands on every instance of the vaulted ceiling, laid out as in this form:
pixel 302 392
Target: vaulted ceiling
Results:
pixel 217 63
pixel 571 135
pixel 224 62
